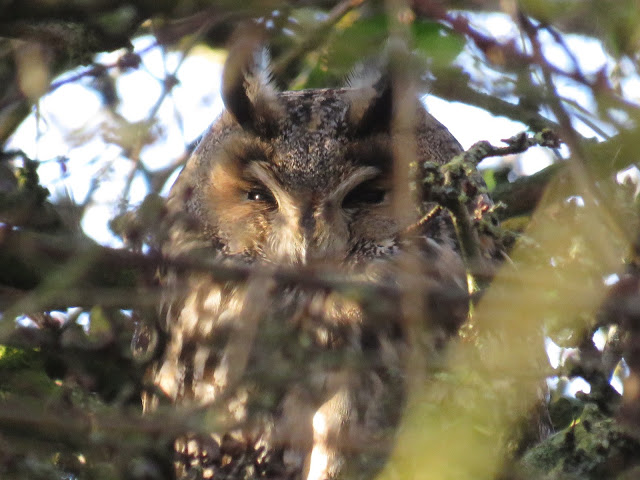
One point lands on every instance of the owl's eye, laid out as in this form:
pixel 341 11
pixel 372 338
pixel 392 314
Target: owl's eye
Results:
pixel 262 195
pixel 364 194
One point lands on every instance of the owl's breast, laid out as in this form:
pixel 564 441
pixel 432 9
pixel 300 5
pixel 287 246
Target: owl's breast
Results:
pixel 286 369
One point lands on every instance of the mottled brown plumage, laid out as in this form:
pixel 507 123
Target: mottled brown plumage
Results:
pixel 298 382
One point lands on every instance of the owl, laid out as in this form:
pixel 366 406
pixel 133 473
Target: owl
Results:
pixel 290 378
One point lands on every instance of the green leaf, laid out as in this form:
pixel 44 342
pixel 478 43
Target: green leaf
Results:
pixel 349 45
pixel 489 179
pixel 437 42
pixel 100 325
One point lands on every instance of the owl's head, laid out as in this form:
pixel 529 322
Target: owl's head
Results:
pixel 301 176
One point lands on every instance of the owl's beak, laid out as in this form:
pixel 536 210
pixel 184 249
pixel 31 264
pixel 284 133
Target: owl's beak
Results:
pixel 307 225
pixel 308 232
pixel 324 242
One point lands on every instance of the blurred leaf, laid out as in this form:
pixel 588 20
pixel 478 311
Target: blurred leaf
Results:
pixel 33 69
pixel 22 373
pixel 439 44
pixel 357 39
pixel 100 327
pixel 489 179
pixel 348 46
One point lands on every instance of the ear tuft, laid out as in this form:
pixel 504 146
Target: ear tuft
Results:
pixel 376 115
pixel 247 90
pixel 367 73
pixel 372 98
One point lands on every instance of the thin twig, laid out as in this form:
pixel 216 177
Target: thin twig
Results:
pixel 577 160
pixel 517 144
pixel 508 50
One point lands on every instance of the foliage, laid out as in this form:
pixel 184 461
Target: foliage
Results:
pixel 70 383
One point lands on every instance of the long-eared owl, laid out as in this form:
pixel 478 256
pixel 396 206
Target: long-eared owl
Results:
pixel 296 379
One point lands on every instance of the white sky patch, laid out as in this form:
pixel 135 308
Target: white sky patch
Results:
pixel 499 25
pixel 476 124
pixel 576 200
pixel 199 91
pixel 599 339
pixel 617 384
pixel 588 52
pixel 554 352
pixel 167 187
pixel 141 91
pixel 611 279
pixel 620 373
pixel 96 224
pixel 578 384
pixel 592 56
pixel 85 104
pixel 631 88
pixel 534 160
pixel 631 176
pixel 44 137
